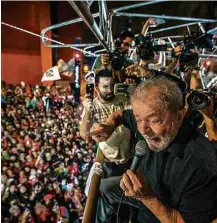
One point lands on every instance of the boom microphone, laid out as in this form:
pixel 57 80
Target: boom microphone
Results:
pixel 141 149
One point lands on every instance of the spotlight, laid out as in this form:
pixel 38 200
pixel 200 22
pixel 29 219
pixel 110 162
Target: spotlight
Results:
pixel 208 63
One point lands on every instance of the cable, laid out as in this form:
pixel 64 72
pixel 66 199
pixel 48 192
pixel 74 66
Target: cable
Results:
pixel 119 206
pixel 35 34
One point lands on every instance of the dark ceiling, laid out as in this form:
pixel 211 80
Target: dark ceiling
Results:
pixel 193 9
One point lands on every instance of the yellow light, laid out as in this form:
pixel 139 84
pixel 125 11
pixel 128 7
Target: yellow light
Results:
pixel 86 68
pixel 208 63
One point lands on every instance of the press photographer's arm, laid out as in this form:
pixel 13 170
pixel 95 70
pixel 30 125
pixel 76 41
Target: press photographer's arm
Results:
pixel 86 120
pixel 207 112
pixel 209 120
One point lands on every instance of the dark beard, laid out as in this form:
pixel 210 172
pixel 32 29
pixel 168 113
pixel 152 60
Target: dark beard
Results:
pixel 106 98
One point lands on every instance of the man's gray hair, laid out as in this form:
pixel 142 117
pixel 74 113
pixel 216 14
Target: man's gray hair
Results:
pixel 162 91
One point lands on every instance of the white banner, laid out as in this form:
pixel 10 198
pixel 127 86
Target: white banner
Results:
pixel 51 74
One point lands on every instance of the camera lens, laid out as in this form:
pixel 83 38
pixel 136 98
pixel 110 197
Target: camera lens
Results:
pixel 198 100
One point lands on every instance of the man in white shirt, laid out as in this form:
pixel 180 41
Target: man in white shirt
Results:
pixel 118 148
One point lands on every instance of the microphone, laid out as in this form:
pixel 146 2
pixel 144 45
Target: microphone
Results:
pixel 141 149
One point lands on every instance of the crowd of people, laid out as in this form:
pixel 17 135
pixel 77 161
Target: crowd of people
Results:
pixel 47 150
pixel 45 162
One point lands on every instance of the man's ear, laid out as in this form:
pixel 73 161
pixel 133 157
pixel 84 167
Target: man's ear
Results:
pixel 181 113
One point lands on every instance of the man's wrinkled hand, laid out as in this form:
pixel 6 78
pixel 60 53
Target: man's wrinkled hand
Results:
pixel 101 132
pixel 135 185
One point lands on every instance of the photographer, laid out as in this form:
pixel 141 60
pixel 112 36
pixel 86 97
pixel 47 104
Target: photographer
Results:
pixel 118 60
pixel 145 54
pixel 210 121
pixel 98 110
pixel 203 103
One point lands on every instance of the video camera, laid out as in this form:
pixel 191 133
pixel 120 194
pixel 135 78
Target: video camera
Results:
pixel 199 99
pixel 193 41
pixel 125 89
pixel 118 59
pixel 146 47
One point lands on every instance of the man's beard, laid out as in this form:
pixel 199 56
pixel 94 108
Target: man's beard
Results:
pixel 108 97
pixel 158 143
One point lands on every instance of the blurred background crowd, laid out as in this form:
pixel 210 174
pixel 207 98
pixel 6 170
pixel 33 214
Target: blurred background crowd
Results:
pixel 45 162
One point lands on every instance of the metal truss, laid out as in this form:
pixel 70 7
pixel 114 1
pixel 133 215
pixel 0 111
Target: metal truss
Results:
pixel 103 31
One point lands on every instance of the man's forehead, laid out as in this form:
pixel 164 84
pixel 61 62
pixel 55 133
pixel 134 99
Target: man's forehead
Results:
pixel 147 109
pixel 106 80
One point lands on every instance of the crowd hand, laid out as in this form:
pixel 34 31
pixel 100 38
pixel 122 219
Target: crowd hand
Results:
pixel 135 70
pixel 161 42
pixel 87 103
pixel 105 59
pixel 32 197
pixel 101 132
pixel 135 185
pixel 5 194
pixel 178 50
pixel 151 22
pixel 25 214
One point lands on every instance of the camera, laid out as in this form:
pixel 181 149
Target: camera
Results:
pixel 118 58
pixel 193 41
pixel 198 100
pixel 146 47
pixel 126 89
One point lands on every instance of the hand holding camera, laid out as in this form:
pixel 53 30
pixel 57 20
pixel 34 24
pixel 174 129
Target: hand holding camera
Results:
pixel 178 50
pixel 207 111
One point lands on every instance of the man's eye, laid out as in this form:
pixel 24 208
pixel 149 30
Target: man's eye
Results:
pixel 156 121
pixel 138 120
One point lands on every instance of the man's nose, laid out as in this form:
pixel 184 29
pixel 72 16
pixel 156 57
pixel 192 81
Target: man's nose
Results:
pixel 109 90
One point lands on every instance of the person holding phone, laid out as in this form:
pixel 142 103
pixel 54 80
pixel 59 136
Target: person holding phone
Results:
pixel 98 109
pixel 118 149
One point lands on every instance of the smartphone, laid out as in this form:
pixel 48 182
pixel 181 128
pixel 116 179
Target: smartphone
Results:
pixel 90 90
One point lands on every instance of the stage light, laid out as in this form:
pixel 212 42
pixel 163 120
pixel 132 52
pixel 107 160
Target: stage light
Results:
pixel 208 63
